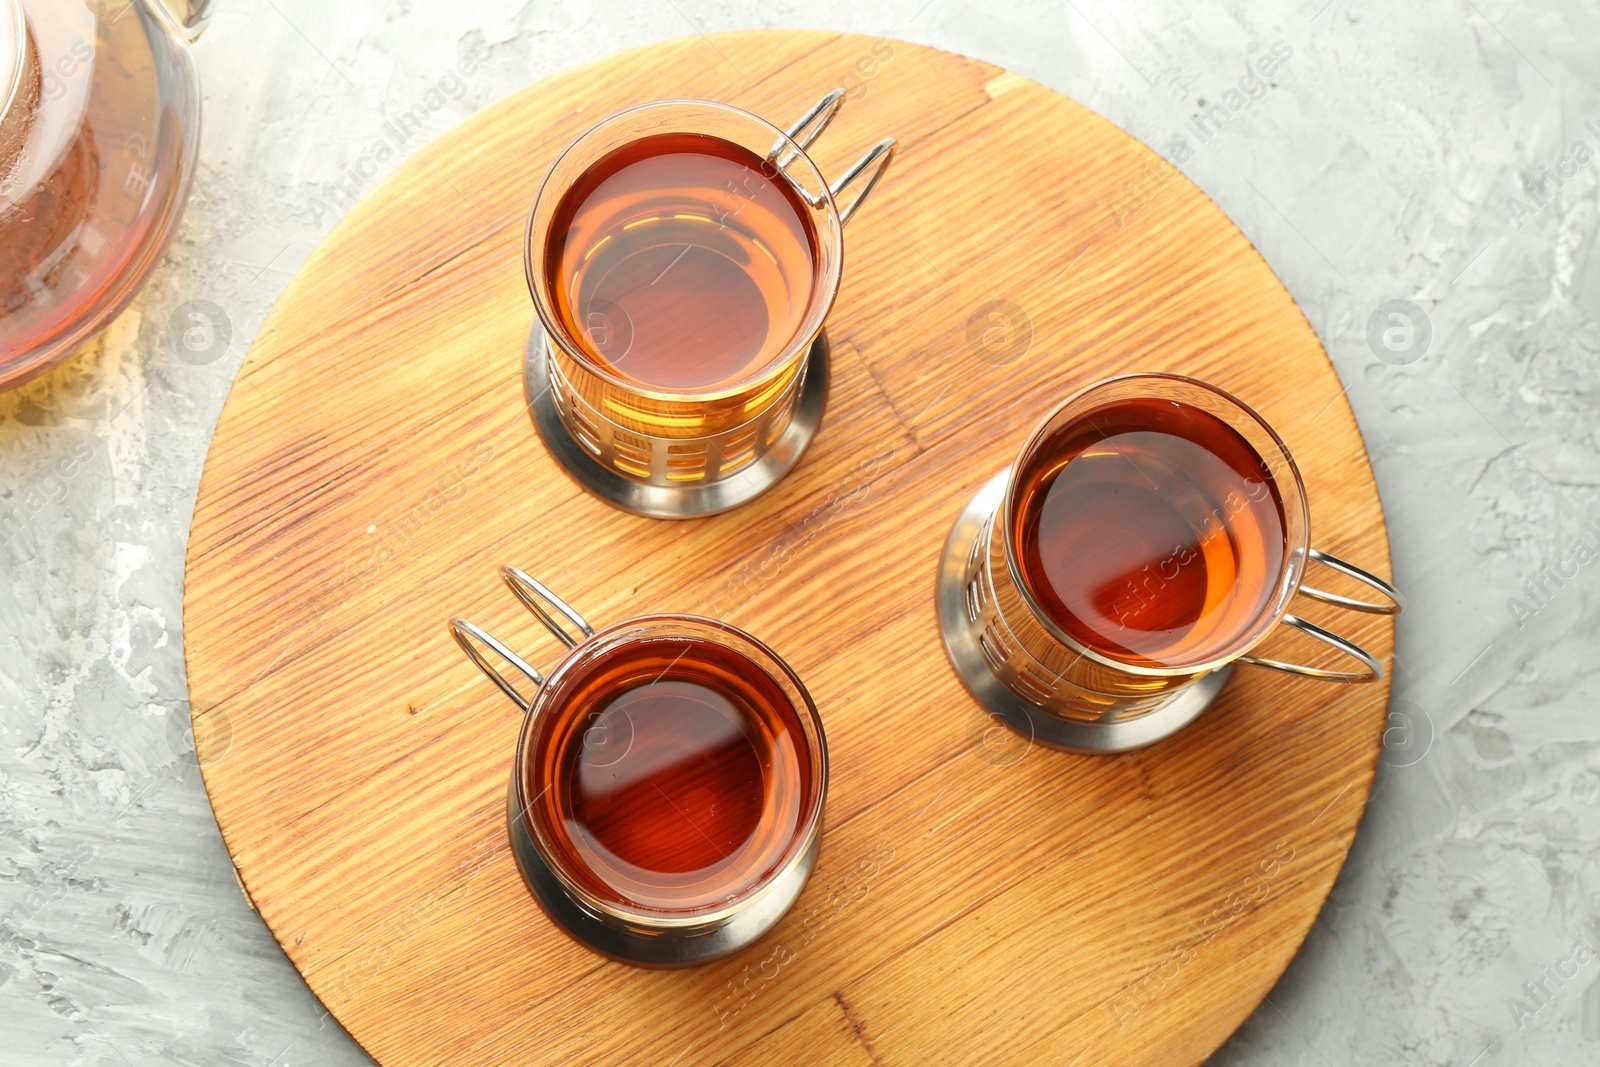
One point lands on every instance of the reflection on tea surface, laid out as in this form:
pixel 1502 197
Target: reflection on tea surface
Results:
pixel 1150 532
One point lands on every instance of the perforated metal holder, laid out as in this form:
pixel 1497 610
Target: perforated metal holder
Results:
pixel 668 479
pixel 1010 684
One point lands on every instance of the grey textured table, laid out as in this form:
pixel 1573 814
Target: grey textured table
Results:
pixel 1442 155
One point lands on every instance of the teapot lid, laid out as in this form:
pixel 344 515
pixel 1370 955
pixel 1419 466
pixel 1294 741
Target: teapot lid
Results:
pixel 13 50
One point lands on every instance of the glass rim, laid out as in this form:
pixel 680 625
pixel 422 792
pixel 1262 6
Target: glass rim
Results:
pixel 797 347
pixel 807 829
pixel 1287 581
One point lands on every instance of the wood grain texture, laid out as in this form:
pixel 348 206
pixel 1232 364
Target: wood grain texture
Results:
pixel 374 464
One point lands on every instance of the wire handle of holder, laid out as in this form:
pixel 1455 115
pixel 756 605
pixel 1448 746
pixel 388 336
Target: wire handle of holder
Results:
pixel 806 129
pixel 559 617
pixel 1374 669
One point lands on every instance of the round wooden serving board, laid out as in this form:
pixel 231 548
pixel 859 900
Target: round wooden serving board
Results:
pixel 375 462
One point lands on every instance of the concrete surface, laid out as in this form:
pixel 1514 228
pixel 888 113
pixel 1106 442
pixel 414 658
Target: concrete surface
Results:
pixel 1395 158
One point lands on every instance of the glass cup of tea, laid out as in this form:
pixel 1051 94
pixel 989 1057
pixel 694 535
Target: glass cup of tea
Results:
pixel 666 799
pixel 1151 533
pixel 682 256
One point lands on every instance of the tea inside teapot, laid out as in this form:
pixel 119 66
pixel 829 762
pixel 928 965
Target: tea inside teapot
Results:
pixel 97 140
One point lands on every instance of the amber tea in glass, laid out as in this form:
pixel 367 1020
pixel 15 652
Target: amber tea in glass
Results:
pixel 682 256
pixel 685 262
pixel 671 775
pixel 1150 530
pixel 666 799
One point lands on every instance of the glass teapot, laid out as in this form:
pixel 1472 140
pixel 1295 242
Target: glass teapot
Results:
pixel 99 126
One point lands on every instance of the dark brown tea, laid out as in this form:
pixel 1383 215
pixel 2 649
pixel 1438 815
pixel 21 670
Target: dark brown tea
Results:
pixel 682 261
pixel 680 775
pixel 1150 531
